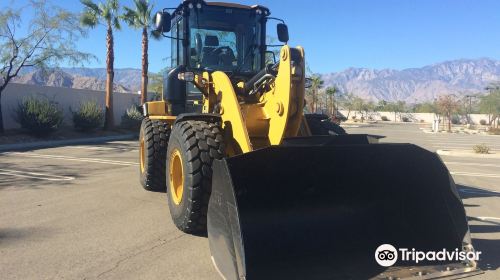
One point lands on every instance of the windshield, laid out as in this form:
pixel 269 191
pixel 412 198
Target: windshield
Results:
pixel 225 39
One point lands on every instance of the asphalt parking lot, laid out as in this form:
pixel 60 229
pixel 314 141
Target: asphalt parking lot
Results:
pixel 78 212
pixel 477 179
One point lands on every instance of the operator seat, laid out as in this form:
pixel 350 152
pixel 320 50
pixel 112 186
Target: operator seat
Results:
pixel 208 57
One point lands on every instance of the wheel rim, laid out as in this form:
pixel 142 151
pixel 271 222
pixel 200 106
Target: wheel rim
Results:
pixel 176 177
pixel 142 150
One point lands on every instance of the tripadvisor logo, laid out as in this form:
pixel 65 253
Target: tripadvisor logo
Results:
pixel 387 255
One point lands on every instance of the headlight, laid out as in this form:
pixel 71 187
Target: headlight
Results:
pixel 186 76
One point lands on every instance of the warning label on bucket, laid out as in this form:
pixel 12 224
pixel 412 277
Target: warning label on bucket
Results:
pixel 387 255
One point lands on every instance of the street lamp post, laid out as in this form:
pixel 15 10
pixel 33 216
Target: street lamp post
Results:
pixel 469 119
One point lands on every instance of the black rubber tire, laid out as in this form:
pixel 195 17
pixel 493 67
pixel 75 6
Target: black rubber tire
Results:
pixel 320 124
pixel 199 143
pixel 155 134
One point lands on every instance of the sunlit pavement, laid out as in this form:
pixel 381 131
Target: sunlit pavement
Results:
pixel 78 212
pixel 478 180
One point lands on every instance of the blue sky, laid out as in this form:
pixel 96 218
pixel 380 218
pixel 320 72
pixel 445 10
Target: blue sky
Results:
pixel 338 34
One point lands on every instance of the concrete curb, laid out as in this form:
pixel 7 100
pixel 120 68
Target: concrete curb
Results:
pixel 56 143
pixel 465 153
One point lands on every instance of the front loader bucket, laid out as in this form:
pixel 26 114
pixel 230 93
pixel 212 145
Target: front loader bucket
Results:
pixel 320 212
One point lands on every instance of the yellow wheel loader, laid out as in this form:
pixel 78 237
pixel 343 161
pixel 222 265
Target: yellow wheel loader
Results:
pixel 282 194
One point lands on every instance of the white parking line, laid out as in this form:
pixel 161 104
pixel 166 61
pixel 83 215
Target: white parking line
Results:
pixel 488 218
pixel 464 144
pixel 462 141
pixel 469 174
pixel 460 148
pixel 472 164
pixel 94 160
pixel 97 148
pixel 35 175
pixel 91 148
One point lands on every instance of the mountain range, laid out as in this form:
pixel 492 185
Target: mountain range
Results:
pixel 459 77
pixel 126 80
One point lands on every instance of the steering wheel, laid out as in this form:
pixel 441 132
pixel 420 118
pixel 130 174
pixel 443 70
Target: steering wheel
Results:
pixel 225 54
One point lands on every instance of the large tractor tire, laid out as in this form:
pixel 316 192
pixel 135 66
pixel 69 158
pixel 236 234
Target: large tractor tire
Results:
pixel 320 124
pixel 153 140
pixel 193 146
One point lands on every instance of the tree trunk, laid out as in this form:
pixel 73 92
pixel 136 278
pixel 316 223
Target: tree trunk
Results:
pixel 449 122
pixel 313 108
pixel 110 59
pixel 145 64
pixel 315 101
pixel 2 130
pixel 333 105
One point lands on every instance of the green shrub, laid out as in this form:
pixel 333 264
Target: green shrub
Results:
pixel 455 120
pixel 132 118
pixel 482 122
pixel 481 149
pixel 89 116
pixel 385 119
pixel 38 116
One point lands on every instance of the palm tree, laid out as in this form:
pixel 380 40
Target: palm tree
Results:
pixel 140 18
pixel 106 13
pixel 330 92
pixel 317 83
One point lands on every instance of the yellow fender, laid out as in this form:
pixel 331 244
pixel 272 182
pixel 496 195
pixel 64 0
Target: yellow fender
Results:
pixel 284 103
pixel 232 120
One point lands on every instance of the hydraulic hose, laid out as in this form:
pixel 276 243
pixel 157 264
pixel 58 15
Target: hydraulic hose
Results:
pixel 270 69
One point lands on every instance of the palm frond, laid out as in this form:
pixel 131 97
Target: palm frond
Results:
pixel 107 14
pixel 89 5
pixel 139 17
pixel 116 23
pixel 89 18
pixel 141 6
pixel 113 4
pixel 129 17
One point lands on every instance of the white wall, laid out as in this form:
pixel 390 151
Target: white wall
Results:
pixel 65 97
pixel 414 117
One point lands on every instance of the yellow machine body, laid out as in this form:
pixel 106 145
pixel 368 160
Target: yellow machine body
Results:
pixel 251 125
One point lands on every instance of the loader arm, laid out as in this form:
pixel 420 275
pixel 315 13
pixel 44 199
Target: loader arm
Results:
pixel 277 113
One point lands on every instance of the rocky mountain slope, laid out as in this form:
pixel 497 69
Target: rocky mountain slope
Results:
pixel 459 77
pixel 60 78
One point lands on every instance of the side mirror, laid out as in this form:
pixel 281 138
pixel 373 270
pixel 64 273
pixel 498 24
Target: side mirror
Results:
pixel 282 32
pixel 162 22
pixel 308 83
pixel 270 57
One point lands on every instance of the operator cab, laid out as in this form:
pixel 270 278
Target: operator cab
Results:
pixel 211 36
